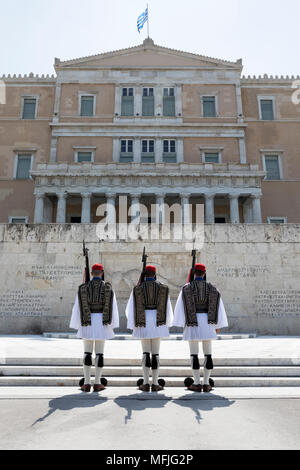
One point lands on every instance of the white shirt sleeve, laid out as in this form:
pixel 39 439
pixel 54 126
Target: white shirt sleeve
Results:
pixel 75 321
pixel 115 314
pixel 222 317
pixel 170 313
pixel 179 315
pixel 129 312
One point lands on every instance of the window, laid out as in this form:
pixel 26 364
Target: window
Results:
pixel 211 157
pixel 127 108
pixel 169 102
pixel 148 151
pixel 29 108
pixel 266 108
pixel 87 106
pixel 126 151
pixel 169 154
pixel 84 157
pixel 23 167
pixel 148 102
pixel 18 220
pixel 277 220
pixel 209 108
pixel 272 167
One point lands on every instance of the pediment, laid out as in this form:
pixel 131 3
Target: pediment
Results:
pixel 147 55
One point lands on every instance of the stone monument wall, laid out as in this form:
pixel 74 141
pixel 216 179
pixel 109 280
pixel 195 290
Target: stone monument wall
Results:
pixel 256 268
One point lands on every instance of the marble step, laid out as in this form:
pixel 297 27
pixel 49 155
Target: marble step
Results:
pixel 136 371
pixel 131 381
pixel 173 337
pixel 185 362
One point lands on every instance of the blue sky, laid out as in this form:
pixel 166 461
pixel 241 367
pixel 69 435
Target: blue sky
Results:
pixel 265 33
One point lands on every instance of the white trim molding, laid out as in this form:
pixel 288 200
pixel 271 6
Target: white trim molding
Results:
pixel 266 97
pixel 80 95
pixel 30 97
pixel 277 154
pixel 11 217
pixel 207 95
pixel 284 220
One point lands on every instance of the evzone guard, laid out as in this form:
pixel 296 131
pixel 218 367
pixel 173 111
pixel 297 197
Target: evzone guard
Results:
pixel 149 314
pixel 95 315
pixel 200 311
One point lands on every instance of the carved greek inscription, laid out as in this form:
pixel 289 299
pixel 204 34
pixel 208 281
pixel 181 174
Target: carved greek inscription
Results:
pixel 278 303
pixel 53 272
pixel 243 272
pixel 23 304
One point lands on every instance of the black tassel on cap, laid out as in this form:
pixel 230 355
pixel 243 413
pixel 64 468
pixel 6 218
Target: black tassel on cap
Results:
pixel 148 360
pixel 100 360
pixel 196 363
pixel 88 359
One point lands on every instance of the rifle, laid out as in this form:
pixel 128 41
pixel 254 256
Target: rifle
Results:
pixel 192 274
pixel 87 276
pixel 144 261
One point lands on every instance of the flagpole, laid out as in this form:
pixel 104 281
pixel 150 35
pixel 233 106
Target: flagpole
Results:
pixel 148 19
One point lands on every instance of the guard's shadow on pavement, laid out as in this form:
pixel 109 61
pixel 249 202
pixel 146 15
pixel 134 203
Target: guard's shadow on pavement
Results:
pixel 70 402
pixel 204 402
pixel 141 401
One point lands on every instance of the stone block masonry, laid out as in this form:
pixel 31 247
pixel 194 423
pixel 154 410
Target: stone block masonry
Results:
pixel 256 268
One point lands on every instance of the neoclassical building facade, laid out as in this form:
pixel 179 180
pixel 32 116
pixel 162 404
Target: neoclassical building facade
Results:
pixel 153 124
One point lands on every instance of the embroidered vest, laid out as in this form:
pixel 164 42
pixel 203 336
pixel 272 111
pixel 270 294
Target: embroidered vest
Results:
pixel 150 295
pixel 95 296
pixel 200 297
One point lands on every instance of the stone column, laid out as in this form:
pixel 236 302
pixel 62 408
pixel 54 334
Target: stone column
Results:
pixel 159 100
pixel 160 208
pixel 247 211
pixel 234 209
pixel 138 107
pixel 53 149
pixel 135 209
pixel 86 208
pixel 39 208
pixel 137 150
pixel 186 208
pixel 61 208
pixel 111 208
pixel 209 208
pixel 256 209
pixel 242 145
pixel 159 150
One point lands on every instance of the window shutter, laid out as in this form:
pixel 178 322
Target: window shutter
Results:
pixel 127 106
pixel 272 167
pixel 209 106
pixel 84 157
pixel 87 106
pixel 23 168
pixel 211 157
pixel 29 108
pixel 267 112
pixel 148 105
pixel 169 105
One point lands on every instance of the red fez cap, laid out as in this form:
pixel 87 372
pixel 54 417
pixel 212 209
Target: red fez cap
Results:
pixel 97 267
pixel 200 267
pixel 151 269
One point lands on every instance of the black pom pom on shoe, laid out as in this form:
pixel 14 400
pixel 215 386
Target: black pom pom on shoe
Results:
pixel 104 381
pixel 81 382
pixel 162 382
pixel 140 382
pixel 188 382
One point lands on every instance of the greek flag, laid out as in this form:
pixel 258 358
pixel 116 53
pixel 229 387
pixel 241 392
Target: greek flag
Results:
pixel 142 20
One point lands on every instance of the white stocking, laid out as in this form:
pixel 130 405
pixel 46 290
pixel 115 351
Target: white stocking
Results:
pixel 194 350
pixel 207 350
pixel 99 351
pixel 88 347
pixel 155 347
pixel 146 346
